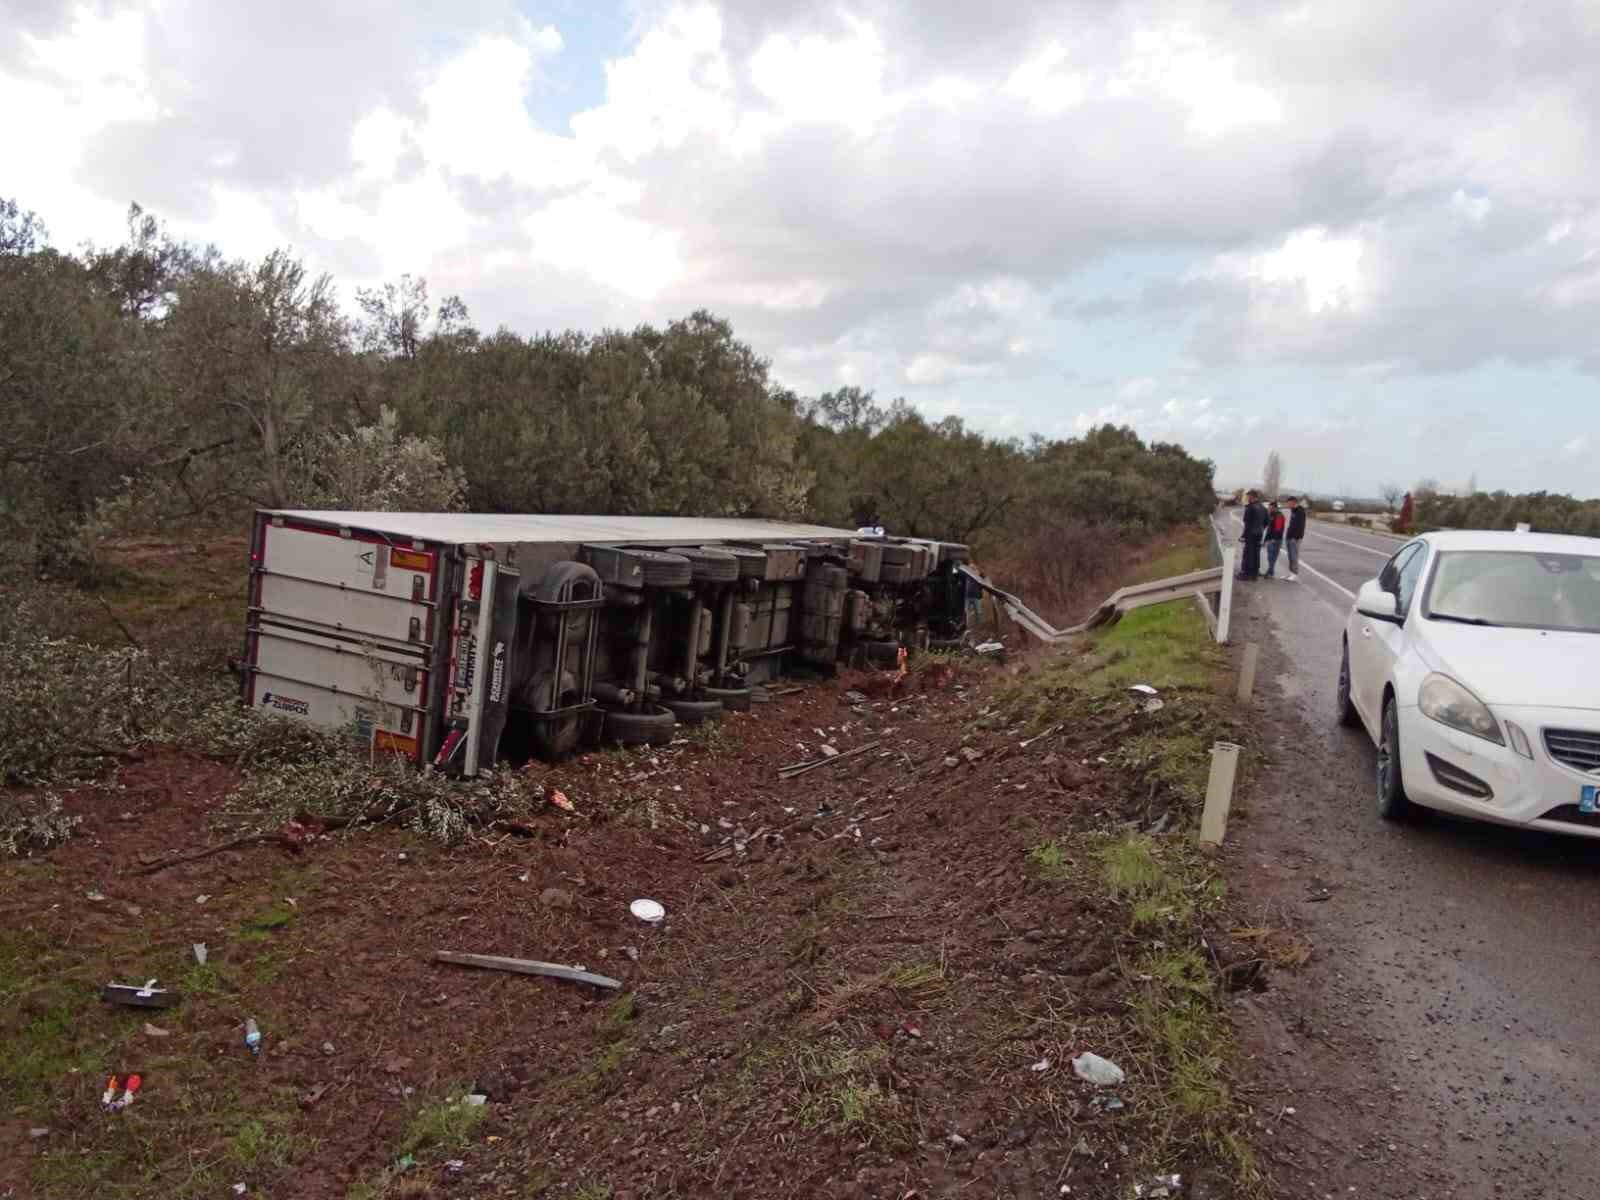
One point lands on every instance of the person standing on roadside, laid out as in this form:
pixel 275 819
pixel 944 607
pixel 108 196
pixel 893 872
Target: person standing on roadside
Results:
pixel 1255 524
pixel 1293 537
pixel 1276 524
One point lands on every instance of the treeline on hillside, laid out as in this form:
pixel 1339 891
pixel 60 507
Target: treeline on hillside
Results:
pixel 159 381
pixel 1545 512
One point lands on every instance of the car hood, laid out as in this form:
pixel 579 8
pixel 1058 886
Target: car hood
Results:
pixel 1517 666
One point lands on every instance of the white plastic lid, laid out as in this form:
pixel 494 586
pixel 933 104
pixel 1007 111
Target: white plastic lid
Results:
pixel 649 911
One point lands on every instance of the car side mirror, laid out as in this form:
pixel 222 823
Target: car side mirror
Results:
pixel 1378 602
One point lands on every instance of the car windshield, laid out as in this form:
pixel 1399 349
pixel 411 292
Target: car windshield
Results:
pixel 1524 589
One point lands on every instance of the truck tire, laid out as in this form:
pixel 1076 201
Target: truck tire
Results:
pixel 733 699
pixel 695 712
pixel 708 564
pixel 884 654
pixel 898 554
pixel 663 569
pixel 654 726
pixel 833 579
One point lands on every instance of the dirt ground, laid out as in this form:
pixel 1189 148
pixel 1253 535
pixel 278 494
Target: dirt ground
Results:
pixel 870 981
pixel 855 1004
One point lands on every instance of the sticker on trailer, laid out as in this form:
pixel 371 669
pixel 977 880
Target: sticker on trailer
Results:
pixel 292 705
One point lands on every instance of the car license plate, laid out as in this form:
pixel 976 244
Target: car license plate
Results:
pixel 1589 799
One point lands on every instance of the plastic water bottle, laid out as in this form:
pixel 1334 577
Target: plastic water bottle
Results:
pixel 252 1036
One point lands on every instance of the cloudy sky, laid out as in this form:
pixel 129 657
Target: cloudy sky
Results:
pixel 1364 233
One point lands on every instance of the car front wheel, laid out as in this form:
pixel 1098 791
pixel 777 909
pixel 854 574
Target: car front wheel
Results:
pixel 1392 802
pixel 1345 706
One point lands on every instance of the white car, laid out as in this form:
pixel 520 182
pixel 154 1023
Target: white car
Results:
pixel 1473 662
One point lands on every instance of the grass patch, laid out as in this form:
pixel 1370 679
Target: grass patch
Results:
pixel 1190 550
pixel 1176 1031
pixel 266 922
pixel 843 1097
pixel 1049 863
pixel 1165 645
pixel 441 1125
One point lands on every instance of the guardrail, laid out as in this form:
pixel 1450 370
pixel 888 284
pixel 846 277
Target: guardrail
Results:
pixel 1159 591
pixel 1225 553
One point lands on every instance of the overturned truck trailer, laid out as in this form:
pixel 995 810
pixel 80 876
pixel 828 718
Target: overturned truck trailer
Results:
pixel 459 639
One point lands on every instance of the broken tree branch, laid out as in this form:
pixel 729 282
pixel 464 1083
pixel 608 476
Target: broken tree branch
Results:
pixel 248 840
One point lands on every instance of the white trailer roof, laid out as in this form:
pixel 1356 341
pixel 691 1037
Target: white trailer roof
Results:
pixel 473 528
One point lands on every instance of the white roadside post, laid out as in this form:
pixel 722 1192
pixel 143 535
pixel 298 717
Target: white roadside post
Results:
pixel 1219 793
pixel 1225 598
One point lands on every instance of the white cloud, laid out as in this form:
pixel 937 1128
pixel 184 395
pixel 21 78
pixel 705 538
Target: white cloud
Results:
pixel 886 193
pixel 1323 271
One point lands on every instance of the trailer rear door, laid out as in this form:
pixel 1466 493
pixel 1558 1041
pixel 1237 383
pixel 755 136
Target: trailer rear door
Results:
pixel 341 630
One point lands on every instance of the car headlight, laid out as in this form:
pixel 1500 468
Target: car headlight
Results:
pixel 1447 702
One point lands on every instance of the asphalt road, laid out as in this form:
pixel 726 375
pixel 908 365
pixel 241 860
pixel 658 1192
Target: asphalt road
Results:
pixel 1467 952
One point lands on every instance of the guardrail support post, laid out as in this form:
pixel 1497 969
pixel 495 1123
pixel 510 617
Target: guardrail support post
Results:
pixel 1225 597
pixel 1219 793
pixel 1247 672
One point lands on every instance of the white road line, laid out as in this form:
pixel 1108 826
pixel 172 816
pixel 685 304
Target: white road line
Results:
pixel 1352 545
pixel 1310 570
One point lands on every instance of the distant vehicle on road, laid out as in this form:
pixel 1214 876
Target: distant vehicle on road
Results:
pixel 1338 506
pixel 1473 663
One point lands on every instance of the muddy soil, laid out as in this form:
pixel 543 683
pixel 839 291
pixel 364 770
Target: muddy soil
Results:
pixel 860 988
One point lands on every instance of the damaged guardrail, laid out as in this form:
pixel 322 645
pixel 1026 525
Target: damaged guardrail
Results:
pixel 1140 595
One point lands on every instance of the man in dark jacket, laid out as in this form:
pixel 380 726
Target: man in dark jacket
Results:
pixel 1292 538
pixel 1255 525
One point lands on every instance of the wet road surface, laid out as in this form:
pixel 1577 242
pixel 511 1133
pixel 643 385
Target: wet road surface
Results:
pixel 1468 955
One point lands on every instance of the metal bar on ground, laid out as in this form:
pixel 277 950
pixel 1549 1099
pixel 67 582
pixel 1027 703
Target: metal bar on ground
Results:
pixel 524 966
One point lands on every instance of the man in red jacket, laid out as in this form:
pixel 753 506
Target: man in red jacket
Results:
pixel 1276 523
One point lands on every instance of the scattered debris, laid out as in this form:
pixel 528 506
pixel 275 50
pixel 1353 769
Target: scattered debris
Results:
pixel 801 768
pixel 39 1131
pixel 200 953
pixel 828 751
pixel 1144 689
pixel 559 799
pixel 1101 1072
pixel 554 897
pixel 329 1049
pixel 525 966
pixel 475 1100
pixel 94 897
pixel 956 1140
pixel 1152 706
pixel 1037 737
pixel 784 691
pixel 111 1102
pixel 1043 1065
pixel 1159 1187
pixel 990 647
pixel 455 1165
pixel 239 1189
pixel 252 1035
pixel 970 754
pixel 855 697
pixel 132 994
pixel 649 911
pixel 156 1031
pixel 202 898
